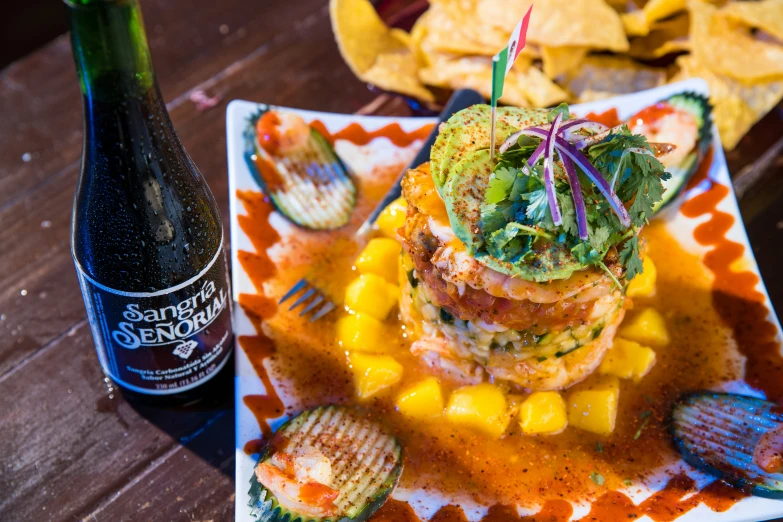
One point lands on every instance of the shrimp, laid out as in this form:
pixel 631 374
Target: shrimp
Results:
pixel 436 353
pixel 282 133
pixel 768 454
pixel 420 192
pixel 299 481
pixel 665 123
pixel 458 267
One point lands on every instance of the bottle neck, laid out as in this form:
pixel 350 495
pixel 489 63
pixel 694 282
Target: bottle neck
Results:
pixel 124 113
pixel 110 50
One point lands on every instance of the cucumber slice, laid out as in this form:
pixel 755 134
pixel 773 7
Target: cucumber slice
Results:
pixel 718 432
pixel 699 106
pixel 366 464
pixel 312 187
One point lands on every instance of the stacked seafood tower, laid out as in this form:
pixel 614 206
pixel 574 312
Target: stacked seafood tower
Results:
pixel 515 267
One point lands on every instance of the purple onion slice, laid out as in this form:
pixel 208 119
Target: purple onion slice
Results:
pixel 549 170
pixel 564 126
pixel 571 123
pixel 568 131
pixel 510 141
pixel 576 192
pixel 574 125
pixel 592 140
pixel 597 178
pixel 533 159
pixel 590 171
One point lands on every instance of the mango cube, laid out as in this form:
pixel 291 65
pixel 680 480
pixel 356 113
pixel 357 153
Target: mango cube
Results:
pixel 422 401
pixel 373 373
pixel 392 218
pixel 628 360
pixel 543 412
pixel 380 257
pixel 360 333
pixel 371 294
pixel 595 409
pixel 481 407
pixel 648 327
pixel 643 285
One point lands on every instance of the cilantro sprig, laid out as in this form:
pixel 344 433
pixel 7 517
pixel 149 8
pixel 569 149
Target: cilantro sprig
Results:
pixel 515 214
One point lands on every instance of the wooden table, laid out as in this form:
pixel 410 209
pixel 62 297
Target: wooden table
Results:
pixel 68 450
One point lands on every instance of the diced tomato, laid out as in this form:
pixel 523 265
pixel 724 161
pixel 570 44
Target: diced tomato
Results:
pixel 472 303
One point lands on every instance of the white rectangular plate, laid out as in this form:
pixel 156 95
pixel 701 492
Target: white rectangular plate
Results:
pixel 361 160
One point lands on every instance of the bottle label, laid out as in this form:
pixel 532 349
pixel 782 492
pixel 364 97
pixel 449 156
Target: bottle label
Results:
pixel 162 342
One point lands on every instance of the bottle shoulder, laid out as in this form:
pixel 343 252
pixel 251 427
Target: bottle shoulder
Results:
pixel 143 217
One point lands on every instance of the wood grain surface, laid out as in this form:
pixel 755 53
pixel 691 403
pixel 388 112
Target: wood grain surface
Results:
pixel 69 452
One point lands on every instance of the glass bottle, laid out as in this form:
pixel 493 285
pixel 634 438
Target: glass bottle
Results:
pixel 147 238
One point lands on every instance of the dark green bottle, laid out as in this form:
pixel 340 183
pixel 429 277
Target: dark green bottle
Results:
pixel 147 238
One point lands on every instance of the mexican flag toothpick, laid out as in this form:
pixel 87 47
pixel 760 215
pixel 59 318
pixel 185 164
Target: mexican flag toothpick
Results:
pixel 501 64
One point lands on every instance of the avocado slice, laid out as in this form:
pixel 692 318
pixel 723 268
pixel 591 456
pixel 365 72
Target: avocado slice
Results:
pixel 366 460
pixel 549 260
pixel 702 421
pixel 468 131
pixel 464 194
pixel 461 168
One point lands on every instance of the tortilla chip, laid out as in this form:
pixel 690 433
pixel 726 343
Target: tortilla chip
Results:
pixel 618 5
pixel 490 17
pixel 766 15
pixel 667 37
pixel 659 9
pixel 554 23
pixel 737 105
pixel 589 96
pixel 445 67
pixel 603 76
pixel 539 89
pixel 737 48
pixel 360 33
pixel 451 30
pixel 638 23
pixel 419 32
pixel 468 72
pixel 561 60
pixel 373 52
pixel 580 23
pixel 397 72
pixel 525 86
pixel 402 37
pixel 635 23
pixel 729 49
